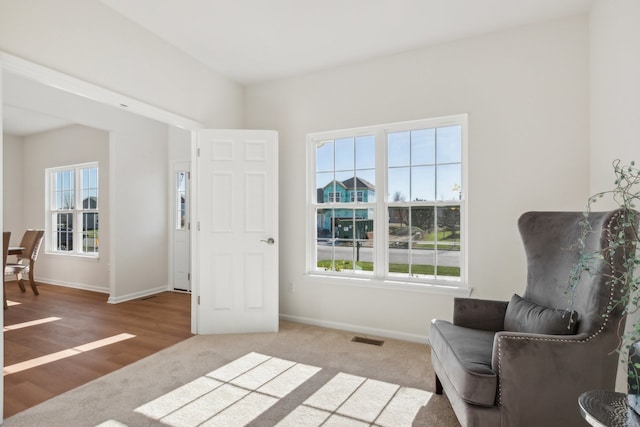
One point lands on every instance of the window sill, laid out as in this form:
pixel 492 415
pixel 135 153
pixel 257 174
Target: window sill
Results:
pixel 441 288
pixel 94 258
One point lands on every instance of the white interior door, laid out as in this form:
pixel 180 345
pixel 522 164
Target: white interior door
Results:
pixel 181 227
pixel 237 235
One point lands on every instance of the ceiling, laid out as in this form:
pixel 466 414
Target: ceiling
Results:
pixel 252 41
pixel 256 40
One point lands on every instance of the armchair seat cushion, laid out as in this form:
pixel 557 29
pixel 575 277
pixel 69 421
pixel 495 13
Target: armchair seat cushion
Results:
pixel 465 355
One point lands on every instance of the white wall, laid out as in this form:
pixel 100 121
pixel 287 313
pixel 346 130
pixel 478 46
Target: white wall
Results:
pixel 88 40
pixel 138 158
pixel 615 88
pixel 63 147
pixel 13 187
pixel 526 92
pixel 615 101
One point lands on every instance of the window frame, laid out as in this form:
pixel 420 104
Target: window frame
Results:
pixel 78 212
pixel 380 276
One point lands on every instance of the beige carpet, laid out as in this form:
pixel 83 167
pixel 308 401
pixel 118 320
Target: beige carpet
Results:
pixel 302 376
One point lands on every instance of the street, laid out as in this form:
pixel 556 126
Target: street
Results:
pixel 446 258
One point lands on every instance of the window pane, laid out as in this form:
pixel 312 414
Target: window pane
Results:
pixel 423 259
pixel 423 147
pixel 448 241
pixel 449 182
pixel 65 197
pixel 399 239
pixel 423 219
pixel 399 184
pixel 324 156
pixel 89 188
pixel 367 179
pixel 449 144
pixel 181 197
pixel 326 230
pixel 423 183
pixel 344 159
pixel 365 152
pixel 324 186
pixel 90 232
pixel 398 149
pixel 64 232
pixel 344 240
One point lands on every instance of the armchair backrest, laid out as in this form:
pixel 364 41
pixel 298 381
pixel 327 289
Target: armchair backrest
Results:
pixel 550 242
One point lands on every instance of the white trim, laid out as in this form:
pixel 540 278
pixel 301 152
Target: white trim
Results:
pixel 67 83
pixel 138 295
pixel 74 285
pixel 52 210
pixel 439 288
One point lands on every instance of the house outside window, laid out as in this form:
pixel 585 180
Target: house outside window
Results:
pixel 73 226
pixel 400 216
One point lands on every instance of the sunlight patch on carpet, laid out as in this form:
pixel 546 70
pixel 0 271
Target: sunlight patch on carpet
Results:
pixel 242 390
pixel 352 400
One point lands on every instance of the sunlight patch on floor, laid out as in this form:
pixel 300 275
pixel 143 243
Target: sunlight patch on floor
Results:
pixel 31 323
pixel 242 390
pixel 38 361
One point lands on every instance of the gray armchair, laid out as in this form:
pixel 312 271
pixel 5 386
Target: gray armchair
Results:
pixel 521 363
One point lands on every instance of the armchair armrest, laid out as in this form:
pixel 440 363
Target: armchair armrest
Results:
pixel 487 315
pixel 547 369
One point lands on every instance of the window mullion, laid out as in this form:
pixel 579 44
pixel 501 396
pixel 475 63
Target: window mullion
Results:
pixel 381 224
pixel 77 228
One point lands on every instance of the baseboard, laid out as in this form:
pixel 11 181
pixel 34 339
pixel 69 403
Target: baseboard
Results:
pixel 73 285
pixel 137 295
pixel 85 287
pixel 386 333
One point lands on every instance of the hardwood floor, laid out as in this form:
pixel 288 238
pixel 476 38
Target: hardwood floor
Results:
pixel 84 317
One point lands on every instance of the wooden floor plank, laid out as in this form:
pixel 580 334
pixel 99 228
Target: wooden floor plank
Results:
pixel 157 322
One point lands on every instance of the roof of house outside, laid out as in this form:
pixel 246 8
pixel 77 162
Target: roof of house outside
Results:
pixel 359 183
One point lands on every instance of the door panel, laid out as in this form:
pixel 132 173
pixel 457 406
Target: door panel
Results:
pixel 238 215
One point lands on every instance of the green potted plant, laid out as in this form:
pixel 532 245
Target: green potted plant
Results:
pixel 626 196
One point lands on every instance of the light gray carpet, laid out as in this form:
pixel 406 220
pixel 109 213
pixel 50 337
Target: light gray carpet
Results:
pixel 327 354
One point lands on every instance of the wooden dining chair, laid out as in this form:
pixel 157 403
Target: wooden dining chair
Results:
pixel 25 263
pixel 6 235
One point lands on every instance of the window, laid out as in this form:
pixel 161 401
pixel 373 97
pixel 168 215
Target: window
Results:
pixel 401 218
pixel 73 209
pixel 357 196
pixel 181 200
pixel 334 197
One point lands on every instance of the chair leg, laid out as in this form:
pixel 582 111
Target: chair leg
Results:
pixel 20 283
pixel 438 386
pixel 4 292
pixel 33 283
